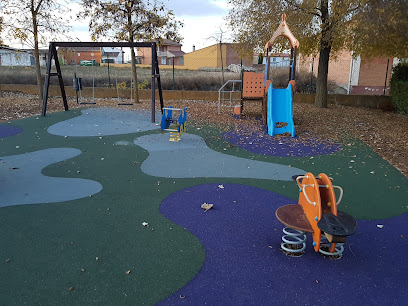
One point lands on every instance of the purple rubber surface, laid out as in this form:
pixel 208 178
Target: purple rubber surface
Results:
pixel 244 264
pixel 261 143
pixel 9 130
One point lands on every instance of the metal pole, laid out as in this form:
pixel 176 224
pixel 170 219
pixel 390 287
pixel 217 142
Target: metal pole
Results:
pixel 60 80
pixel 350 75
pixel 294 65
pixel 222 64
pixel 386 76
pixel 173 73
pixel 311 77
pixel 291 64
pixel 219 102
pixel 108 74
pixel 153 84
pixel 47 80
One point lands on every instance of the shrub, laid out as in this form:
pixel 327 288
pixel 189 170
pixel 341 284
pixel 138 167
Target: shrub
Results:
pixel 399 88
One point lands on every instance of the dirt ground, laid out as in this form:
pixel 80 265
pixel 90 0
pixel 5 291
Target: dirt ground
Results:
pixel 385 132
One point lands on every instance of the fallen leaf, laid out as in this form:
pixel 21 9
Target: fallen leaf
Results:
pixel 206 206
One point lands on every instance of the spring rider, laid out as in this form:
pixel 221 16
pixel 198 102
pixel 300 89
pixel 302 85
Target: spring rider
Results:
pixel 316 213
pixel 176 127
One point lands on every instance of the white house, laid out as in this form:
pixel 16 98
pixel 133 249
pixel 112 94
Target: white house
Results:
pixel 15 57
pixel 112 55
pixel 43 55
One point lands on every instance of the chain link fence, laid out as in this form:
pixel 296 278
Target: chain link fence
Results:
pixel 210 71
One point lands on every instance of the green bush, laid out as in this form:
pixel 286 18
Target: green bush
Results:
pixel 399 88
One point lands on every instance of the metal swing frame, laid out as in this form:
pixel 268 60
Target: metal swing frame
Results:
pixel 52 54
pixel 78 82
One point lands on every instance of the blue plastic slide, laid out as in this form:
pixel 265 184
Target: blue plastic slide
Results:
pixel 280 112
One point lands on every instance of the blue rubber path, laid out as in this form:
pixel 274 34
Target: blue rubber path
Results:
pixel 244 264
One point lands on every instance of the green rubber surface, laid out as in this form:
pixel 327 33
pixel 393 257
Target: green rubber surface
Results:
pixel 43 247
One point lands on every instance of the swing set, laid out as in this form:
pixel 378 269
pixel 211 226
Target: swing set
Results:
pixel 52 54
pixel 77 81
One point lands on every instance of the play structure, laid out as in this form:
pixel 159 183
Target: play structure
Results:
pixel 316 213
pixel 52 54
pixel 276 103
pixel 176 126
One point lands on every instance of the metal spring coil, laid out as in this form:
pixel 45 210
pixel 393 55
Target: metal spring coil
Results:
pixel 338 250
pixel 293 237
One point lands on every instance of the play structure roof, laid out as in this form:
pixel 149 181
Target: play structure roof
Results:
pixel 283 30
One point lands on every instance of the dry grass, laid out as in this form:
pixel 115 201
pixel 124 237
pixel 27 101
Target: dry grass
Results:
pixel 183 79
pixel 385 132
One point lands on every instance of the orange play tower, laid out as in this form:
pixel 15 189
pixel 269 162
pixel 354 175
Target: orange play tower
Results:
pixel 276 103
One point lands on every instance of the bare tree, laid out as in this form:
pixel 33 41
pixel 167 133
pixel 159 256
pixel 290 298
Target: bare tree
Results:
pixel 132 21
pixel 219 37
pixel 1 30
pixel 33 22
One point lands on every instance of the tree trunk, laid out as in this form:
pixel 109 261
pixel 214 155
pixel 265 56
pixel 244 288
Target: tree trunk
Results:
pixel 321 85
pixel 222 65
pixel 37 58
pixel 128 5
pixel 135 83
pixel 325 48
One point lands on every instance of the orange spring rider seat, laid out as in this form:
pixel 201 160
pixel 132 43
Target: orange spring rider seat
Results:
pixel 316 213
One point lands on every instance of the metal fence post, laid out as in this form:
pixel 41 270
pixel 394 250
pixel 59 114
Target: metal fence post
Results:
pixel 311 77
pixel 173 73
pixel 350 75
pixel 386 76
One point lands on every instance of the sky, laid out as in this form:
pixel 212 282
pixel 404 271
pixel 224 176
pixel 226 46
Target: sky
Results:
pixel 202 20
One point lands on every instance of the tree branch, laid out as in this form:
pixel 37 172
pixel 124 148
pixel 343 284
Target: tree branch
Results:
pixel 307 11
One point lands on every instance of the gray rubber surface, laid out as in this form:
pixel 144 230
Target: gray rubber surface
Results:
pixel 105 121
pixel 191 157
pixel 21 180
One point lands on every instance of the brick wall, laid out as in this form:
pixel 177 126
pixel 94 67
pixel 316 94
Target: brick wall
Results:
pixel 70 56
pixel 372 72
pixel 339 67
